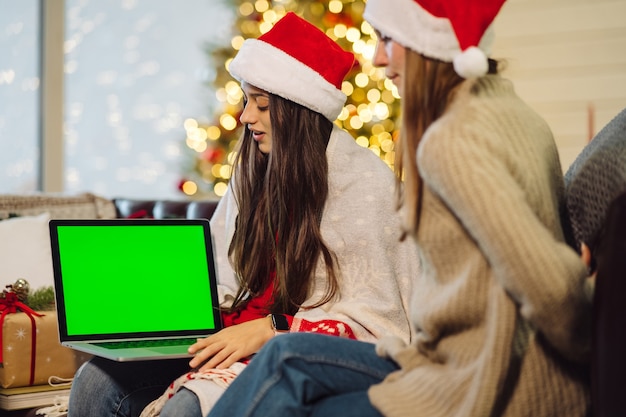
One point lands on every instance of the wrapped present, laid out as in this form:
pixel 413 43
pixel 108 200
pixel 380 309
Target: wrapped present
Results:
pixel 30 350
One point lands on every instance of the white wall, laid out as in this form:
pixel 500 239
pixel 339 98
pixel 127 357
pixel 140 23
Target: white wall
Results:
pixel 565 56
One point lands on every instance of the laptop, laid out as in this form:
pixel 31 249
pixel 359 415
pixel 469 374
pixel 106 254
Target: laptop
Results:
pixel 134 289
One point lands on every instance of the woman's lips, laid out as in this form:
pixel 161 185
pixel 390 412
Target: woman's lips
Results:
pixel 258 136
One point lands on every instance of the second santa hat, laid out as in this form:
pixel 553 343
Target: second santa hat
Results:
pixel 297 61
pixel 456 31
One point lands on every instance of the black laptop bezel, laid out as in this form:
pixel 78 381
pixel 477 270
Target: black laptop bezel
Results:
pixel 58 280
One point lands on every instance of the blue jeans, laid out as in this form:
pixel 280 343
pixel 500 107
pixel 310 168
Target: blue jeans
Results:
pixel 183 404
pixel 305 374
pixel 104 388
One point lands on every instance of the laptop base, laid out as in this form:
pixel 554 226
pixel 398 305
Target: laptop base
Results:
pixel 132 354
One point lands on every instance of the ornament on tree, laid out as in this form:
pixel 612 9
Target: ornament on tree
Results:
pixel 214 155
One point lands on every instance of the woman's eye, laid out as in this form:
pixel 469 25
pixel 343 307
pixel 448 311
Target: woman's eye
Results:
pixel 382 38
pixel 263 103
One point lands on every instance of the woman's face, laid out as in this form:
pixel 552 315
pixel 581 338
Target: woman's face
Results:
pixel 390 55
pixel 256 116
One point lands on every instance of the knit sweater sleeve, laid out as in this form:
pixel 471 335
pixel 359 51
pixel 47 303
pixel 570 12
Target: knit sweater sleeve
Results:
pixel 509 209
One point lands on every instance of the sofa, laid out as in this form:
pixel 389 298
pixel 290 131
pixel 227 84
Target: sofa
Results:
pixel 92 206
pixel 162 209
pixel 24 238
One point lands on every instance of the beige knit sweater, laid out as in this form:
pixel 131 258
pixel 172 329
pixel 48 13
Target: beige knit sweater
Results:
pixel 502 300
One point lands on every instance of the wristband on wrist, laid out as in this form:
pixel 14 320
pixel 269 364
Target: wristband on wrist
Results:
pixel 280 324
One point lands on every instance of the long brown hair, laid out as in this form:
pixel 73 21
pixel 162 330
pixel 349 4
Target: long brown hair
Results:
pixel 429 86
pixel 281 197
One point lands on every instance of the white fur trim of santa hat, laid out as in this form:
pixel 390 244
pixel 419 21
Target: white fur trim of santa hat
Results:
pixel 409 24
pixel 297 61
pixel 271 69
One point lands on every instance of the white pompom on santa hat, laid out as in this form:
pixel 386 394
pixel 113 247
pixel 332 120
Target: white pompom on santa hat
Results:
pixel 296 61
pixel 457 31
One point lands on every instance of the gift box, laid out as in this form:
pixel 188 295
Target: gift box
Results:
pixel 31 352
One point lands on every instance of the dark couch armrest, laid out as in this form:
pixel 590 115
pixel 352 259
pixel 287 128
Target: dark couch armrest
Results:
pixel 201 209
pixel 164 209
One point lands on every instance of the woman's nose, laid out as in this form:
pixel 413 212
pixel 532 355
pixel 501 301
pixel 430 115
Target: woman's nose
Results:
pixel 247 115
pixel 380 58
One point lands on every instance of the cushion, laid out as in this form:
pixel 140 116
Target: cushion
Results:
pixel 25 251
pixel 597 176
pixel 81 206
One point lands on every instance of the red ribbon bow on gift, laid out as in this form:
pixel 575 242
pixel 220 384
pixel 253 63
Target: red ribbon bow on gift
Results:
pixel 10 304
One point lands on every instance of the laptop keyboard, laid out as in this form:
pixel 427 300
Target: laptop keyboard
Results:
pixel 125 344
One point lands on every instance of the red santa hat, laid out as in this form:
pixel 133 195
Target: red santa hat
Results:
pixel 457 31
pixel 297 61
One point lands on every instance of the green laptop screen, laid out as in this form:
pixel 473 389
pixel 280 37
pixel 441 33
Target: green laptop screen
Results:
pixel 135 279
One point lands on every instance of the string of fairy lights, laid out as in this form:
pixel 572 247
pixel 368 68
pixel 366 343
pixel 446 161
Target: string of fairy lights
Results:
pixel 368 115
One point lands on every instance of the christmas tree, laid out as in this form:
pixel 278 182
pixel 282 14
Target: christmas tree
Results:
pixel 368 115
